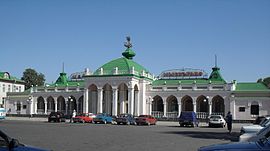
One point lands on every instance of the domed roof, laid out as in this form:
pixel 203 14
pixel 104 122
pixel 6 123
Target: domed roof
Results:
pixel 124 65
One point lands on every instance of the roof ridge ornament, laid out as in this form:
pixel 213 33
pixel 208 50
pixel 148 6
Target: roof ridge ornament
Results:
pixel 128 44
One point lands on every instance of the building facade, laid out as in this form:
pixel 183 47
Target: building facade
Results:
pixel 9 83
pixel 124 86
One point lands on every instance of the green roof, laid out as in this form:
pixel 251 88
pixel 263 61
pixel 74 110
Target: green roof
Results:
pixel 251 86
pixel 216 75
pixel 63 81
pixel 185 81
pixel 122 66
pixel 9 78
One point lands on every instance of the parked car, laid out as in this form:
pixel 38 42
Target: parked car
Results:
pixel 56 117
pixel 188 119
pixel 103 118
pixel 11 144
pixel 260 145
pixel 216 120
pixel 125 119
pixel 146 120
pixel 114 119
pixel 252 137
pixel 254 128
pixel 84 118
pixel 259 119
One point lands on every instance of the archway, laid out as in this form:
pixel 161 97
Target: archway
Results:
pixel 80 105
pixel 202 107
pixel 172 107
pixel 157 107
pixel 50 105
pixel 123 99
pixel 61 105
pixel 187 103
pixel 107 99
pixel 92 99
pixel 40 105
pixel 72 105
pixel 218 106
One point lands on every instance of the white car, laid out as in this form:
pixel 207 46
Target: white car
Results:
pixel 254 128
pixel 253 137
pixel 216 120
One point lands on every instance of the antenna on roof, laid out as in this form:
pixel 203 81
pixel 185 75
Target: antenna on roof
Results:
pixel 63 67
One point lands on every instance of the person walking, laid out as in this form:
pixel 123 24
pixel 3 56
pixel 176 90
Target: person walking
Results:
pixel 229 121
pixel 73 116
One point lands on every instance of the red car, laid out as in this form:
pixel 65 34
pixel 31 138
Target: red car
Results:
pixel 146 119
pixel 83 118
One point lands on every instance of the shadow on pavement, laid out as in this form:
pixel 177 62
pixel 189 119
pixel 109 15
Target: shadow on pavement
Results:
pixel 207 135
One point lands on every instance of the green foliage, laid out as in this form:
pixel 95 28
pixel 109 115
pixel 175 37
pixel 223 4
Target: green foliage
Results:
pixel 260 80
pixel 31 77
pixel 266 81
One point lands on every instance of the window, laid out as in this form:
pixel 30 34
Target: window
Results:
pixel 4 88
pixel 24 106
pixel 18 106
pixel 20 89
pixel 254 110
pixel 242 109
pixel 9 88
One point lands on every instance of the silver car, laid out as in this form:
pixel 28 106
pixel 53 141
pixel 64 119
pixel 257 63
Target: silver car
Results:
pixel 216 120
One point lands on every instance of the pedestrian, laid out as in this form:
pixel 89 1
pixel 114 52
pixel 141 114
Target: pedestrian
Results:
pixel 229 121
pixel 73 116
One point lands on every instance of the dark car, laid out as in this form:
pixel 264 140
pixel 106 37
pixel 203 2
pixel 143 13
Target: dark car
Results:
pixel 259 119
pixel 125 119
pixel 260 145
pixel 56 117
pixel 188 119
pixel 10 144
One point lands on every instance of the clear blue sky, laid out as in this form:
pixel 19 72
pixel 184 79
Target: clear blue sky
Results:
pixel 172 34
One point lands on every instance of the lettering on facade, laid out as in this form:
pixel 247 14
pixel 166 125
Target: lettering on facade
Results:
pixel 185 73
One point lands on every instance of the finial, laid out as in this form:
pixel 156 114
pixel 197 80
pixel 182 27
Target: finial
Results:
pixel 63 67
pixel 128 43
pixel 215 60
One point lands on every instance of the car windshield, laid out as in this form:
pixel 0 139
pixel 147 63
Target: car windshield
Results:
pixel 218 117
pixel 123 115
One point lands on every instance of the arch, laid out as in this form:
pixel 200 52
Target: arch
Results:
pixel 40 105
pixel 254 108
pixel 202 104
pixel 107 99
pixel 61 104
pixel 72 105
pixel 187 103
pixel 122 98
pixel 172 107
pixel 157 107
pixel 80 105
pixel 92 98
pixel 218 106
pixel 50 104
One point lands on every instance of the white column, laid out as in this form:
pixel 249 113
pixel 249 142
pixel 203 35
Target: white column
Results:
pixel 165 108
pixel 150 105
pixel 66 102
pixel 35 106
pixel 55 105
pixel 85 101
pixel 137 105
pixel 115 100
pixel 194 104
pixel 210 105
pixel 31 107
pixel 100 99
pixel 131 101
pixel 179 105
pixel 46 107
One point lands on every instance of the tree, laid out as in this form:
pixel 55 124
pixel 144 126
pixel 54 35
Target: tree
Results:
pixel 266 81
pixel 31 77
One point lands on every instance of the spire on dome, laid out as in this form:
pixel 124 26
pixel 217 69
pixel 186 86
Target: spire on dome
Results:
pixel 128 53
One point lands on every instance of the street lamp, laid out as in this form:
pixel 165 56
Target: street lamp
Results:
pixel 29 101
